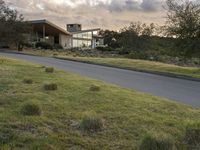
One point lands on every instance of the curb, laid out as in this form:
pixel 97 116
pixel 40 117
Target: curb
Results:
pixel 184 77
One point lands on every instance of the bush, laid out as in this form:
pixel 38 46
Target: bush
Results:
pixel 43 45
pixel 6 135
pixel 192 134
pixel 151 142
pixel 101 48
pixel 49 69
pixel 50 87
pixel 92 124
pixel 27 44
pixel 31 109
pixel 57 46
pixel 28 81
pixel 94 88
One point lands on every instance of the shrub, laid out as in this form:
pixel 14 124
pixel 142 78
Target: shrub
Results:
pixel 43 45
pixel 50 87
pixel 49 69
pixel 94 88
pixel 31 109
pixel 92 124
pixel 192 134
pixel 6 135
pixel 152 142
pixel 28 81
pixel 57 46
pixel 102 48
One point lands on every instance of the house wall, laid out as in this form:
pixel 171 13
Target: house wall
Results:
pixel 65 41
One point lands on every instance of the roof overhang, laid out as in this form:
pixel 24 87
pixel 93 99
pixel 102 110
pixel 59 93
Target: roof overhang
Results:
pixel 50 26
pixel 89 30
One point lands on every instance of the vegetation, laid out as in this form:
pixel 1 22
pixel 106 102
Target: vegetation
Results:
pixel 157 142
pixel 192 135
pixel 142 65
pixel 28 81
pixel 51 87
pixel 178 38
pixel 31 109
pixel 92 124
pixel 13 28
pixel 184 24
pixel 49 69
pixel 95 88
pixel 43 45
pixel 127 115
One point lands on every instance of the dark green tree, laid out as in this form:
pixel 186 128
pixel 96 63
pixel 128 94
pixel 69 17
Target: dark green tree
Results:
pixel 183 23
pixel 136 36
pixel 110 38
pixel 13 28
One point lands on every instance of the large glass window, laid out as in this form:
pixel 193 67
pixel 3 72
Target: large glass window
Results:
pixel 84 35
pixel 81 43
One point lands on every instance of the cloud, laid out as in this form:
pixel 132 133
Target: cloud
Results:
pixel 123 5
pixel 151 5
pixel 112 14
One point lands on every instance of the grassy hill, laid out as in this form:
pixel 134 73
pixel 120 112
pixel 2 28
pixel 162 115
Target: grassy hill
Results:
pixel 33 116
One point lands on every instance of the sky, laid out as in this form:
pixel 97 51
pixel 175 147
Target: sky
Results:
pixel 106 14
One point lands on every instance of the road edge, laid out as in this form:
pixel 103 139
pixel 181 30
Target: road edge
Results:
pixel 172 75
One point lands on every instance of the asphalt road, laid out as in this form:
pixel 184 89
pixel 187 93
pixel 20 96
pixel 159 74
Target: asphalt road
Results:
pixel 180 90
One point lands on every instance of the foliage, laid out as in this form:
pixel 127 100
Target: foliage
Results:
pixel 192 135
pixel 13 28
pixel 28 81
pixel 57 47
pixel 43 45
pixel 157 142
pixel 49 69
pixel 31 109
pixel 94 88
pixel 110 38
pixel 92 124
pixel 51 86
pixel 100 48
pixel 184 24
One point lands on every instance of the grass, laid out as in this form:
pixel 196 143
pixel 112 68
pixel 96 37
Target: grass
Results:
pixel 140 65
pixel 127 115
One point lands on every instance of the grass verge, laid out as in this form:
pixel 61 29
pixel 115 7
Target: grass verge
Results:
pixel 142 65
pixel 127 115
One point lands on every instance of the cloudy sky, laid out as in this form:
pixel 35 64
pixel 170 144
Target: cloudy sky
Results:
pixel 111 14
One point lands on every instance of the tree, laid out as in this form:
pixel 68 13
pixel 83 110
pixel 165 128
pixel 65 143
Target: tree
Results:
pixel 183 23
pixel 13 28
pixel 136 36
pixel 110 38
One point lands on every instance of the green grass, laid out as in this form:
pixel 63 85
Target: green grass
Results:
pixel 141 65
pixel 128 115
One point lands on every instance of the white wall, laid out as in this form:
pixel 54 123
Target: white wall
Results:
pixel 65 41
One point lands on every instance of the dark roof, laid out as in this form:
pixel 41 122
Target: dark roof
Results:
pixel 50 24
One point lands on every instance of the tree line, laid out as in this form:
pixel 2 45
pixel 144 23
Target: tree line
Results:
pixel 180 36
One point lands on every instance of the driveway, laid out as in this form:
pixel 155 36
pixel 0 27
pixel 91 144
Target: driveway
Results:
pixel 180 90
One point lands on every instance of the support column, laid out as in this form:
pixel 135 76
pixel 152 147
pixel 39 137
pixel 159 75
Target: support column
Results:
pixel 44 30
pixel 92 40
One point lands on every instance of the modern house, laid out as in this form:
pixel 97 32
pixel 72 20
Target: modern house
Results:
pixel 72 37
